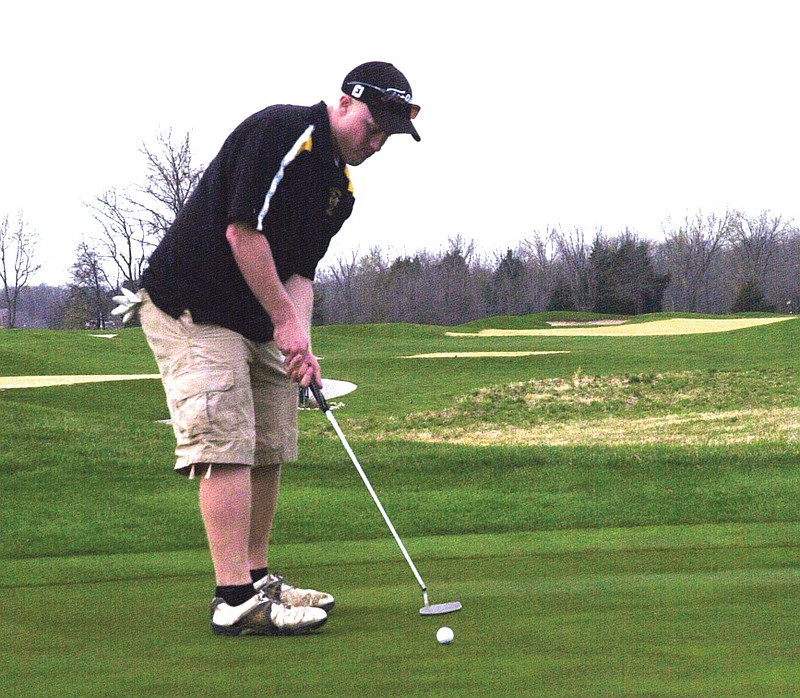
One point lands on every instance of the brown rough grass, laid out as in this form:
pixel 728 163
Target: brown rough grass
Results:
pixel 686 429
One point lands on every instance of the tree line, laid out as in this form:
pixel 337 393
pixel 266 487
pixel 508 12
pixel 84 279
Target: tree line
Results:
pixel 707 263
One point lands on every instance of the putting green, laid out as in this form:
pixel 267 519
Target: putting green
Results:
pixel 667 610
pixel 674 326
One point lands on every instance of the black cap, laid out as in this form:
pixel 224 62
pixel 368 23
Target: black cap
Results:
pixel 387 93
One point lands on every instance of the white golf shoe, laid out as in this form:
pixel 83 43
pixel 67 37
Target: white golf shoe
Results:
pixel 277 588
pixel 261 615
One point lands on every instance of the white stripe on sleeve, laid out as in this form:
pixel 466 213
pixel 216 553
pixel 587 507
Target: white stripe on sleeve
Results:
pixel 291 155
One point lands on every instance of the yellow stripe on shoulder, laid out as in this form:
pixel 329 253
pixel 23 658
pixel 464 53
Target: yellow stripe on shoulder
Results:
pixel 305 146
pixel 349 181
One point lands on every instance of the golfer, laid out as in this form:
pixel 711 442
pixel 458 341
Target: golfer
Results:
pixel 226 308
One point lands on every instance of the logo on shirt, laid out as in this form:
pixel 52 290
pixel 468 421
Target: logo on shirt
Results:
pixel 334 197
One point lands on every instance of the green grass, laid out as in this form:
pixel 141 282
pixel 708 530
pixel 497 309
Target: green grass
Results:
pixel 655 611
pixel 47 353
pixel 657 566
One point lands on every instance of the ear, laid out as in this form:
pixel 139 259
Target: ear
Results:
pixel 345 103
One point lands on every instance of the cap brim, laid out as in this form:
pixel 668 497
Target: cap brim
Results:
pixel 392 122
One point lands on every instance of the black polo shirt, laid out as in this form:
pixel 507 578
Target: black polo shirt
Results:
pixel 279 173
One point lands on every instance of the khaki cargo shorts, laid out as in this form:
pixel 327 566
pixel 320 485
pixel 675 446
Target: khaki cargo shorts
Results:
pixel 229 398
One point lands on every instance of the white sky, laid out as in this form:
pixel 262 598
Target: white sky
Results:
pixel 535 114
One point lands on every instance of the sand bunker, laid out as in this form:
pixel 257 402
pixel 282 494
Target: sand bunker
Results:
pixel 590 323
pixel 330 388
pixel 675 326
pixel 9 382
pixel 478 354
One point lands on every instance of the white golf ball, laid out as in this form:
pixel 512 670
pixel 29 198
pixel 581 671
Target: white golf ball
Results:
pixel 444 635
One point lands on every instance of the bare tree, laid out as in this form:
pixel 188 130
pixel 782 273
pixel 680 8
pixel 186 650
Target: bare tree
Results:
pixel 133 220
pixel 17 246
pixel 125 242
pixel 540 254
pixel 88 296
pixel 339 281
pixel 690 254
pixel 573 256
pixel 446 288
pixel 756 241
pixel 783 290
pixel 171 178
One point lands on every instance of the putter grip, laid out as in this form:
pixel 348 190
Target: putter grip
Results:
pixel 322 403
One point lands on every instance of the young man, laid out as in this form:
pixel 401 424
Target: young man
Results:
pixel 226 308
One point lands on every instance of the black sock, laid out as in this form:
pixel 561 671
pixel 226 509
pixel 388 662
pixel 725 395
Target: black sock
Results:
pixel 236 595
pixel 260 573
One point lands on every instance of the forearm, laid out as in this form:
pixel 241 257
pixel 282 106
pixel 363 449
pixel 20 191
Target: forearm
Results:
pixel 301 291
pixel 253 256
pixel 288 305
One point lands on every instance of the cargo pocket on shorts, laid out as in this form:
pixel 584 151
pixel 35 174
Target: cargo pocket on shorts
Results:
pixel 199 408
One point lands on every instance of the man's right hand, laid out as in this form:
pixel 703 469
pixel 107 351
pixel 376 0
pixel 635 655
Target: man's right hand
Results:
pixel 292 340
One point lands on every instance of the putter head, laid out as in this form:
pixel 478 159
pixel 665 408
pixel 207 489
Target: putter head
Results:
pixel 439 609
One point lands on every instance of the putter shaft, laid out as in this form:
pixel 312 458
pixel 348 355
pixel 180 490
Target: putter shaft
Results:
pixel 377 501
pixel 427 609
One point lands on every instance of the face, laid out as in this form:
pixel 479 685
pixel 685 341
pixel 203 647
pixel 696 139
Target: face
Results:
pixel 357 135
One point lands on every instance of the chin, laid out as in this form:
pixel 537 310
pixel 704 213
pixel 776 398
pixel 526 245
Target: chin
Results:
pixel 356 160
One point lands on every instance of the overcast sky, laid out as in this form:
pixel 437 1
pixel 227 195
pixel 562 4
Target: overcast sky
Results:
pixel 596 114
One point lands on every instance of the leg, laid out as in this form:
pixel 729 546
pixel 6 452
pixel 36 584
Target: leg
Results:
pixel 225 501
pixel 265 484
pixel 206 377
pixel 275 415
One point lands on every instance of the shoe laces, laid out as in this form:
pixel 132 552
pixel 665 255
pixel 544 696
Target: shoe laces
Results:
pixel 272 589
pixel 283 615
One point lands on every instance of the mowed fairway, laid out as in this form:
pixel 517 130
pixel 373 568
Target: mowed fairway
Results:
pixel 587 565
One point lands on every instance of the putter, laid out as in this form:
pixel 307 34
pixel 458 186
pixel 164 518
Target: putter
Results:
pixel 428 609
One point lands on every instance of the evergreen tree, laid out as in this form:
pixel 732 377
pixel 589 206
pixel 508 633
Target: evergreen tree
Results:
pixel 624 279
pixel 561 297
pixel 750 299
